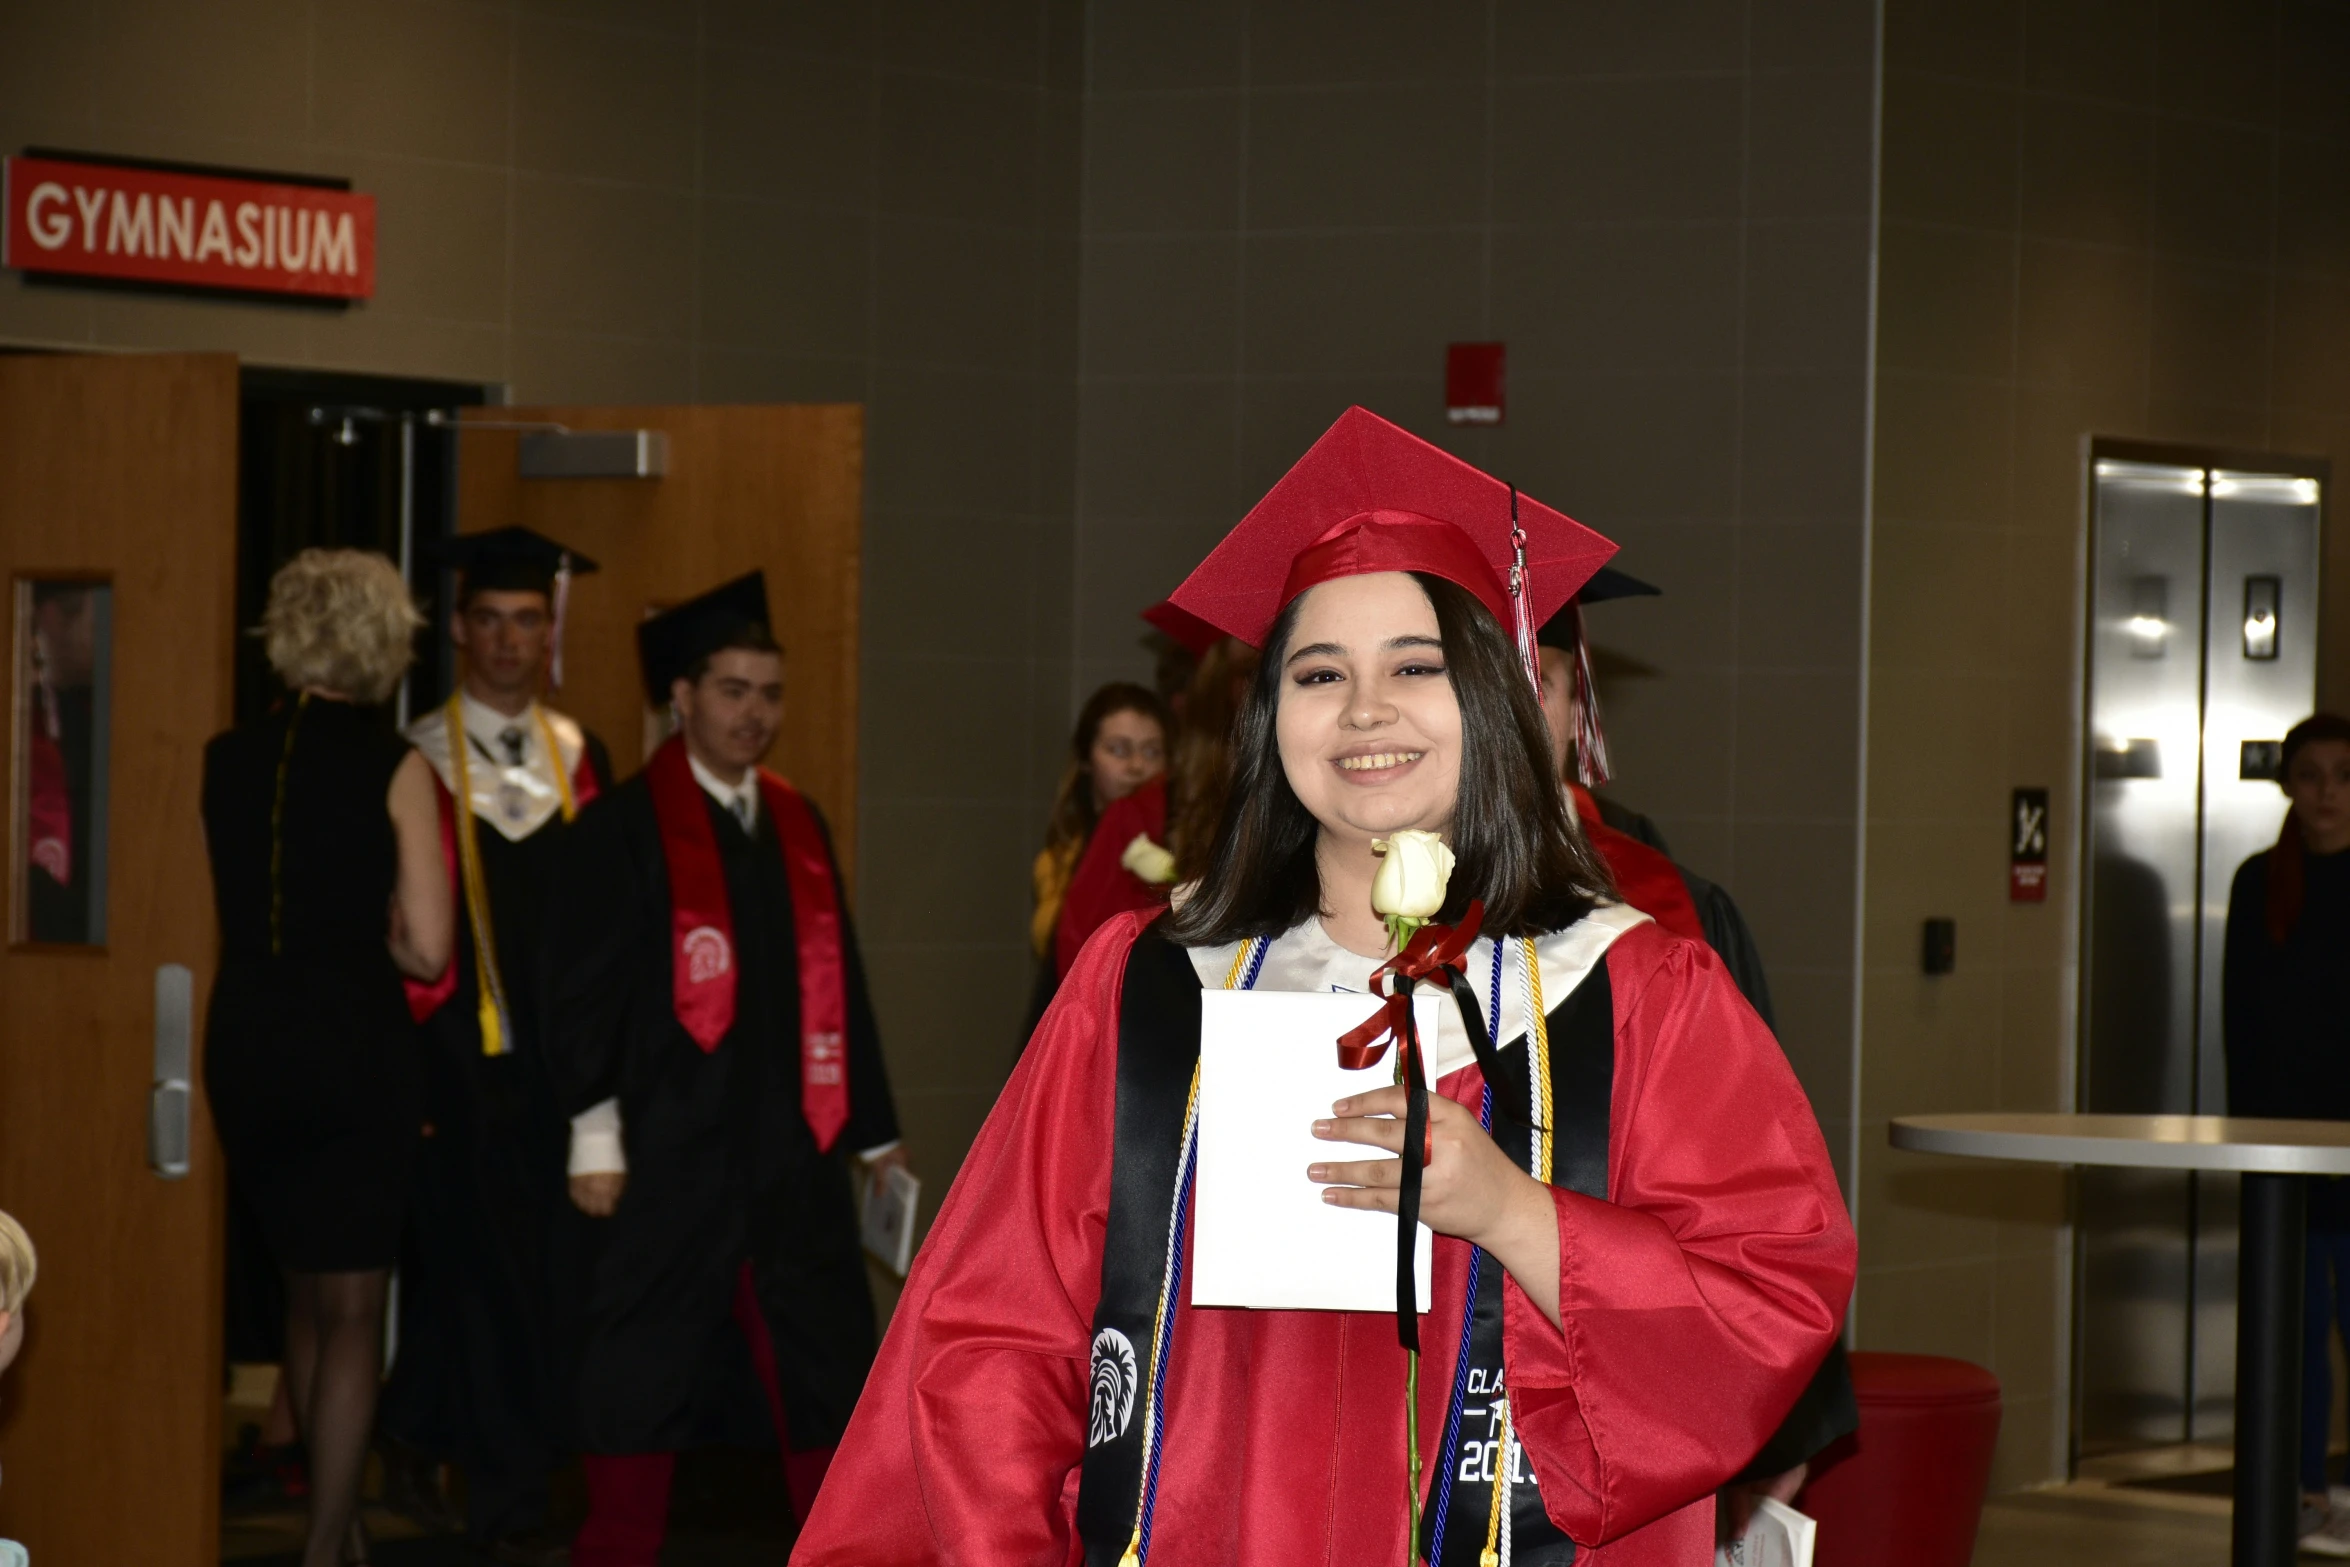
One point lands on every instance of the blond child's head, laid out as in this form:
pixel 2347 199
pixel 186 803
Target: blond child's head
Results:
pixel 18 1264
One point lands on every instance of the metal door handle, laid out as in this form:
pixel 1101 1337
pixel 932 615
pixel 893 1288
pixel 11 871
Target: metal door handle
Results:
pixel 169 1100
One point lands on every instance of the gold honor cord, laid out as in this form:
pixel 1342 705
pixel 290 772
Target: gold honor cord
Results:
pixel 1538 1049
pixel 277 832
pixel 1491 1555
pixel 1505 1439
pixel 555 761
pixel 492 1004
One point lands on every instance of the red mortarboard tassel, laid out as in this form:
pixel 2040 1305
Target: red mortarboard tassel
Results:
pixel 1591 765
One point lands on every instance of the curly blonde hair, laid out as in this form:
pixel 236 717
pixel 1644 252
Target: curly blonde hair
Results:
pixel 341 621
pixel 17 1265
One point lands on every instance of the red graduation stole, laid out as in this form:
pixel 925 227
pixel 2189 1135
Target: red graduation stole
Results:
pixel 701 926
pixel 1648 880
pixel 49 810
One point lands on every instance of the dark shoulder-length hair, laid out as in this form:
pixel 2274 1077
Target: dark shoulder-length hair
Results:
pixel 1515 841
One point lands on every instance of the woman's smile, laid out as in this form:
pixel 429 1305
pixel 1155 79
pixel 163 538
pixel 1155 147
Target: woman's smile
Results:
pixel 1376 766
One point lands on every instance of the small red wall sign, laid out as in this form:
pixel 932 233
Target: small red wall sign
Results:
pixel 1473 383
pixel 185 229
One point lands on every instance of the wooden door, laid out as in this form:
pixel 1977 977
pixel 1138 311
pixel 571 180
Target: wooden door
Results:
pixel 121 473
pixel 776 488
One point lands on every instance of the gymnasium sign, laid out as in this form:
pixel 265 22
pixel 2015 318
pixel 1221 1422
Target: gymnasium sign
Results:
pixel 176 227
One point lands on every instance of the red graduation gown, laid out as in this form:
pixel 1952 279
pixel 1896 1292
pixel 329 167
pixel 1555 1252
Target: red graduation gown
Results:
pixel 1696 1305
pixel 1102 888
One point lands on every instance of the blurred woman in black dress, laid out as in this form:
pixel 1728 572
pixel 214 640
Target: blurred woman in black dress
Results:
pixel 327 876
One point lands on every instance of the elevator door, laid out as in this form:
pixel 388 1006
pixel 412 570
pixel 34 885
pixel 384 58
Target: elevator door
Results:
pixel 2202 652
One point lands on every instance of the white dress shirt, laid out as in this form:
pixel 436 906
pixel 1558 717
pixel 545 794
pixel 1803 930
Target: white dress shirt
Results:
pixel 740 799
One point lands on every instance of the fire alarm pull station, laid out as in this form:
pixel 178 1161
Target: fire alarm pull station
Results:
pixel 1473 383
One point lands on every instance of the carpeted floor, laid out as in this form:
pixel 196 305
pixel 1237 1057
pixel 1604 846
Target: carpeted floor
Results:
pixel 728 1509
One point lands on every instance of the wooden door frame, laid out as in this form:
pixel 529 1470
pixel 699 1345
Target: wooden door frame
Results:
pixel 805 458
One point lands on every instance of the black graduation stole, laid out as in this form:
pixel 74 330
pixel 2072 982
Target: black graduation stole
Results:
pixel 1158 1047
pixel 1582 1081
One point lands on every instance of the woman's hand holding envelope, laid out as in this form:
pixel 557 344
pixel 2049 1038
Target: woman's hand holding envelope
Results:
pixel 1470 1188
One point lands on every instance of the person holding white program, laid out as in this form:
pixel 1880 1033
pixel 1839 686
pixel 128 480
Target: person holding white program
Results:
pixel 1641 1252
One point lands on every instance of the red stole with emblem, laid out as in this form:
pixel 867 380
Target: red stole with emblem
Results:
pixel 701 927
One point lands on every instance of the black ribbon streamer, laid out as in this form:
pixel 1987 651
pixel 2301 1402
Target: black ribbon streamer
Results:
pixel 1415 1162
pixel 1433 949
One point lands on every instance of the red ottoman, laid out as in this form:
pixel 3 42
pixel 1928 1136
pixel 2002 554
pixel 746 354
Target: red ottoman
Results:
pixel 1906 1489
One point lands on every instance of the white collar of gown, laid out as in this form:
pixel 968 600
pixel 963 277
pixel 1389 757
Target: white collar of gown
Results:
pixel 1305 958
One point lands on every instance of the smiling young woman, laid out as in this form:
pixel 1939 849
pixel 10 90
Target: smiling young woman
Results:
pixel 1386 702
pixel 1641 1251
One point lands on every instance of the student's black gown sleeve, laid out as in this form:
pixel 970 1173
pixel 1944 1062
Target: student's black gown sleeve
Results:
pixel 1827 1411
pixel 1727 933
pixel 873 1111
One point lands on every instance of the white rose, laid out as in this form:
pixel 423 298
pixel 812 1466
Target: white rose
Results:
pixel 1413 868
pixel 1148 861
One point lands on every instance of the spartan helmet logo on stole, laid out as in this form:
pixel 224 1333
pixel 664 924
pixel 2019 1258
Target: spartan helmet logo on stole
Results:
pixel 1114 1376
pixel 707 954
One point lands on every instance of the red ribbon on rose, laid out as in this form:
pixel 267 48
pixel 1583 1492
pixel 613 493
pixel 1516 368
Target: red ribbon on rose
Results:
pixel 1433 950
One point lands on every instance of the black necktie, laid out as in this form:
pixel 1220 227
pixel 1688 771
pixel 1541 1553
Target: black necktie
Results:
pixel 511 739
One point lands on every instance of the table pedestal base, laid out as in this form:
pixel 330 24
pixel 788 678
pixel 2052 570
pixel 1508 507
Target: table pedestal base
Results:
pixel 2269 1292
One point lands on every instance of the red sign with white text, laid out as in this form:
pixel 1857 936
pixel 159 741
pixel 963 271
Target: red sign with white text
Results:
pixel 256 236
pixel 1473 378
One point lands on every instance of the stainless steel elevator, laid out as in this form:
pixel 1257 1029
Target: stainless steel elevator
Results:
pixel 2202 651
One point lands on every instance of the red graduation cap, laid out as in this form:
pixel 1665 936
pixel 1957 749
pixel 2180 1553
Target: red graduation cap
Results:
pixel 1183 628
pixel 1371 497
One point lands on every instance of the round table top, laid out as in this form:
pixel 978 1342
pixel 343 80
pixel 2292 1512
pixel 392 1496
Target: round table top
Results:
pixel 2151 1142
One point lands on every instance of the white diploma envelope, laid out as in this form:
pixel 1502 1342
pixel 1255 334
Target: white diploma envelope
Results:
pixel 1779 1536
pixel 1265 1238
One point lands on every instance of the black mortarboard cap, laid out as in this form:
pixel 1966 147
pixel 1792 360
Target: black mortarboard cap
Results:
pixel 669 643
pixel 1606 583
pixel 509 560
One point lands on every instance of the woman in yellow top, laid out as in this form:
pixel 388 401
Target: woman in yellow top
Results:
pixel 1120 743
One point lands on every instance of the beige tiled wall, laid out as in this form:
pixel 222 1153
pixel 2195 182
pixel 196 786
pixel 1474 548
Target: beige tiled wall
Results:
pixel 702 201
pixel 1663 211
pixel 2120 221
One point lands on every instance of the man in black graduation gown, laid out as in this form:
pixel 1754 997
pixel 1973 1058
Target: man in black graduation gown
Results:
pixel 1717 914
pixel 718 1051
pixel 477 1380
pixel 1826 1411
